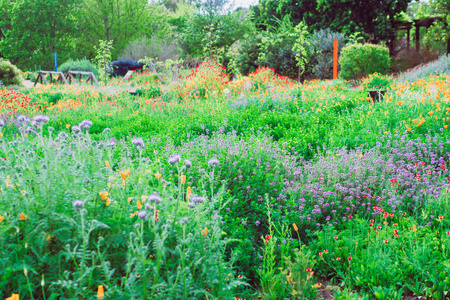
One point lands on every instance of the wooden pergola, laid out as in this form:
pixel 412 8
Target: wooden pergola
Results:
pixel 427 22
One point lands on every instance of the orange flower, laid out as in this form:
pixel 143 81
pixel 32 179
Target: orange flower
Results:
pixel 205 231
pixel 108 202
pixel 100 292
pixel 133 214
pixel 139 205
pixel 125 174
pixel 104 195
pixel 107 164
pixel 67 126
pixel 158 176
pixel 414 228
pixel 183 179
pixel 430 113
pixel 295 227
pixel 49 238
pixel 13 297
pixel 22 217
pixel 129 199
pixel 2 218
pixel 445 126
pixel 188 193
pixel 399 103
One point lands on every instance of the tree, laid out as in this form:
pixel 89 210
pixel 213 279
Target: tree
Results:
pixel 120 21
pixel 211 30
pixel 34 29
pixel 370 16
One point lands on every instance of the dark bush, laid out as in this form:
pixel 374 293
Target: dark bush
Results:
pixel 120 67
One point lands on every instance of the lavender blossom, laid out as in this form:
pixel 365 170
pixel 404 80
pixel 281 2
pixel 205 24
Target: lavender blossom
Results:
pixel 213 162
pixel 154 198
pixel 138 142
pixel 174 159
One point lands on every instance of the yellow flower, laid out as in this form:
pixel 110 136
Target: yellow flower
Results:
pixel 139 205
pixel 295 227
pixel 13 297
pixel 104 195
pixel 158 176
pixel 23 192
pixel 67 126
pixel 22 217
pixel 107 164
pixel 125 174
pixel 183 179
pixel 100 292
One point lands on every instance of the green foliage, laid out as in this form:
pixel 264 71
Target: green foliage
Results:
pixel 148 92
pixel 34 30
pixel 284 49
pixel 377 82
pixel 92 222
pixel 245 60
pixel 9 74
pixel 78 65
pixel 103 58
pixel 209 34
pixel 360 60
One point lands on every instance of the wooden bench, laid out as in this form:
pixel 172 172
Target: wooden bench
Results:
pixel 41 77
pixel 71 75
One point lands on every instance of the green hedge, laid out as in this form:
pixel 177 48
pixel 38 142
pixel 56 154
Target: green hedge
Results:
pixel 361 60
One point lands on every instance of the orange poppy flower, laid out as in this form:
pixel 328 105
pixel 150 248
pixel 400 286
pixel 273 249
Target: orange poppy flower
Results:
pixel 295 227
pixel 100 292
pixel 22 217
pixel 183 179
pixel 13 297
pixel 125 174
pixel 205 231
pixel 104 195
pixel 107 164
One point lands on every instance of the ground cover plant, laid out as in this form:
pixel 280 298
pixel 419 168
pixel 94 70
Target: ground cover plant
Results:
pixel 212 188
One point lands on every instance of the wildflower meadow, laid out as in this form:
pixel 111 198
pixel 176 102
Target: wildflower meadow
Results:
pixel 209 187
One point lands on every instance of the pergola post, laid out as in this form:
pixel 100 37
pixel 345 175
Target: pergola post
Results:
pixel 417 35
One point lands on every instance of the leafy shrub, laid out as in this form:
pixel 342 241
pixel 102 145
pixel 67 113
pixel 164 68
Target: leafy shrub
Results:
pixel 9 74
pixel 245 60
pixel 376 81
pixel 360 60
pixel 280 49
pixel 150 91
pixel 120 67
pixel 82 65
pixel 321 51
